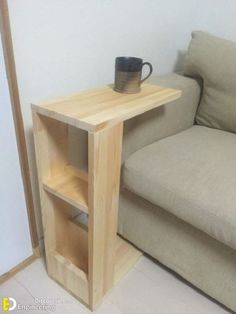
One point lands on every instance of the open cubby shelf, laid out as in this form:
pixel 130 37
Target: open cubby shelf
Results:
pixel 76 280
pixel 69 234
pixel 72 240
pixel 68 254
pixel 69 258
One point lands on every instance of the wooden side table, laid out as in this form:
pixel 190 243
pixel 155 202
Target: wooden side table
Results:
pixel 87 259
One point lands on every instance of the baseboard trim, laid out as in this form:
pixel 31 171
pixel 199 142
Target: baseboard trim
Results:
pixel 22 265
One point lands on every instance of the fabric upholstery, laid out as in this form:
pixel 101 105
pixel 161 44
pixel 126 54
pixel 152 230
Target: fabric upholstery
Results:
pixel 165 120
pixel 203 261
pixel 214 60
pixel 193 175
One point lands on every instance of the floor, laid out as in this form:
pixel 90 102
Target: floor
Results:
pixel 147 289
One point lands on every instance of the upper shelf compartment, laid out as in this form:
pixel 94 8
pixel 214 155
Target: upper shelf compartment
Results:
pixel 58 176
pixel 95 109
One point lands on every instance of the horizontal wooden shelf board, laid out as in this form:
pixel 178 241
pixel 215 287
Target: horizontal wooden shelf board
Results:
pixel 70 188
pixel 99 108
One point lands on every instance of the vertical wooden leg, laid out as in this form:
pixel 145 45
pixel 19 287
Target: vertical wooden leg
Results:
pixel 104 179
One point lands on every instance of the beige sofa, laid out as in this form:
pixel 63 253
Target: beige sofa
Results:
pixel 178 195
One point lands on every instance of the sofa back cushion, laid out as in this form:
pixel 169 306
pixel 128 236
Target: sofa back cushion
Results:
pixel 214 61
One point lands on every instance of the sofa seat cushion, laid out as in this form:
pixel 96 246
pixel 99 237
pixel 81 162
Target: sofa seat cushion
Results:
pixel 192 175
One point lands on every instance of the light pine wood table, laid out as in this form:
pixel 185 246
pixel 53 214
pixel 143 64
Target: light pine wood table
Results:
pixel 80 209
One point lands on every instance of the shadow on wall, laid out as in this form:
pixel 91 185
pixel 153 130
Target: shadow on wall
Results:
pixel 180 60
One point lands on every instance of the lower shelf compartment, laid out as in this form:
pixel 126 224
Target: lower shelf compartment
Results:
pixel 75 280
pixel 69 276
pixel 71 236
pixel 68 251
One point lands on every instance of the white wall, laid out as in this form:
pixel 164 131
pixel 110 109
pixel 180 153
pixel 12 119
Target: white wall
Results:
pixel 15 242
pixel 62 46
pixel 218 17
pixel 65 45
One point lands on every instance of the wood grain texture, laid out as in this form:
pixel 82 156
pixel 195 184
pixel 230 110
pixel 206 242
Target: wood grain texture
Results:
pixel 87 261
pixel 17 116
pixel 104 180
pixel 66 243
pixel 66 248
pixel 71 238
pixel 51 145
pixel 101 108
pixel 69 276
pixel 69 188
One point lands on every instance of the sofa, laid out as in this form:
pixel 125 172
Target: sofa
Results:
pixel 178 192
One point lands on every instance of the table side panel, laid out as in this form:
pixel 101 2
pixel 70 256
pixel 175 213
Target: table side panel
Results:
pixel 104 179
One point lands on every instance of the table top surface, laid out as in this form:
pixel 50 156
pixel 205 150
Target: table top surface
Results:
pixel 95 109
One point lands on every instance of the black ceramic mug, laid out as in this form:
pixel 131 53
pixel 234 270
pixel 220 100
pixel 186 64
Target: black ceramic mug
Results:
pixel 128 74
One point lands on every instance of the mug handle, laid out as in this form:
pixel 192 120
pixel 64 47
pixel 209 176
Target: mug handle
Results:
pixel 150 71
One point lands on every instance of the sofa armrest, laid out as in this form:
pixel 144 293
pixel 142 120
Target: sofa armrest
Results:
pixel 165 120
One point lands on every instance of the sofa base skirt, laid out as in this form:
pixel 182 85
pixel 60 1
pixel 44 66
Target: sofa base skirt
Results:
pixel 201 260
